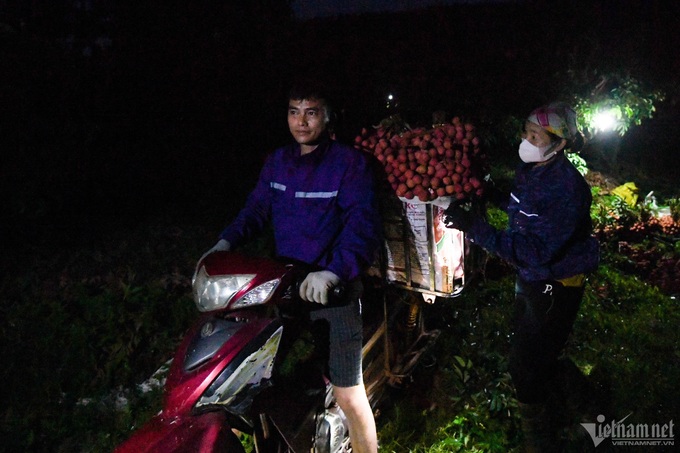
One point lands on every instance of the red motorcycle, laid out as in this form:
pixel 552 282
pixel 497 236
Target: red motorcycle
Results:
pixel 252 362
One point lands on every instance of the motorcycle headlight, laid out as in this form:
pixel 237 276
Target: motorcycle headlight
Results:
pixel 215 292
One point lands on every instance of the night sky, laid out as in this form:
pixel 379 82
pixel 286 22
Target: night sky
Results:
pixel 307 9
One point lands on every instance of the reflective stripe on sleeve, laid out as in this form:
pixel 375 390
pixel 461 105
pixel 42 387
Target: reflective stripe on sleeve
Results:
pixel 316 194
pixel 528 214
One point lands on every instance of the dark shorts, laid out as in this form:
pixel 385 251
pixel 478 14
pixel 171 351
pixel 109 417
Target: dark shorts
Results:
pixel 345 339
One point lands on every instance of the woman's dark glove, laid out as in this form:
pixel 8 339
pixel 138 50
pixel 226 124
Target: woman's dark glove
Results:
pixel 455 216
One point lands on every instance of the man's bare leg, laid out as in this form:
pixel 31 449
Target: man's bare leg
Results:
pixel 354 403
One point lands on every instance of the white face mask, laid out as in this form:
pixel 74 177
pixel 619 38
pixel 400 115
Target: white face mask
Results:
pixel 530 153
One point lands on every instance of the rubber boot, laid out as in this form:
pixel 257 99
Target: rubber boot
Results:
pixel 572 389
pixel 540 436
pixel 575 399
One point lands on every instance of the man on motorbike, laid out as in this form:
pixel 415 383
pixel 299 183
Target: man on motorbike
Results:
pixel 319 196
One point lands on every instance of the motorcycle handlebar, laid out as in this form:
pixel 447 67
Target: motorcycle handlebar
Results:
pixel 336 295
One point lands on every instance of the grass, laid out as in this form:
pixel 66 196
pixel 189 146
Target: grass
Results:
pixel 85 324
pixel 626 342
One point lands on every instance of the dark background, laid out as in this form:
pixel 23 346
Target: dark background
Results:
pixel 118 110
pixel 131 132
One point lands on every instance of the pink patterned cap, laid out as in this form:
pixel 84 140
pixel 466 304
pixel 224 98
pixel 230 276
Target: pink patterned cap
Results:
pixel 557 118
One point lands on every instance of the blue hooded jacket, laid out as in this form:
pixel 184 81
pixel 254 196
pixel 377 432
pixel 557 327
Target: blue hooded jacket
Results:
pixel 549 226
pixel 322 206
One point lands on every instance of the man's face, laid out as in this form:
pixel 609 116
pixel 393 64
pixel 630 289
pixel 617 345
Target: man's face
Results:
pixel 307 122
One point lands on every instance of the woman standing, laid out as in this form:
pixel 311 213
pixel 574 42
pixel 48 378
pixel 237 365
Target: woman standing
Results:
pixel 549 242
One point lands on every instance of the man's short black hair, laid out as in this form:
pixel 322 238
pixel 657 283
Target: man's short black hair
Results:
pixel 308 89
pixel 313 88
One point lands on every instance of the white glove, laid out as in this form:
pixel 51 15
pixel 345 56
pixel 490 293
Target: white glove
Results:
pixel 222 246
pixel 316 285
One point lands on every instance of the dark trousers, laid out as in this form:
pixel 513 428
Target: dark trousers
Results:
pixel 545 312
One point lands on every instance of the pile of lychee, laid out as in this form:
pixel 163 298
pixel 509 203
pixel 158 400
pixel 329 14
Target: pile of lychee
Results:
pixel 424 164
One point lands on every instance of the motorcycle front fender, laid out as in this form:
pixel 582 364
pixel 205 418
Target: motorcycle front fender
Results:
pixel 205 433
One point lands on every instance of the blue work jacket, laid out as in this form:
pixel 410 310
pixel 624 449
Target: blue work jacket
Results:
pixel 549 234
pixel 322 206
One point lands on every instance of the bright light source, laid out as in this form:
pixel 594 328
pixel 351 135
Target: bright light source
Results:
pixel 605 121
pixel 390 102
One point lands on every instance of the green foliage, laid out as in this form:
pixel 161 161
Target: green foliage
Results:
pixel 640 239
pixel 608 210
pixel 578 162
pixel 624 340
pixel 611 213
pixel 468 432
pixel 471 404
pixel 630 100
pixel 627 333
pixel 100 339
pixel 497 217
pixel 674 206
pixel 83 327
pixel 462 369
pixel 106 326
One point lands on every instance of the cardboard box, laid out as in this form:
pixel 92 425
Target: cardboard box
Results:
pixel 420 252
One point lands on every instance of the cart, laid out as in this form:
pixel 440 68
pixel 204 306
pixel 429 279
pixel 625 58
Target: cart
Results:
pixel 421 261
